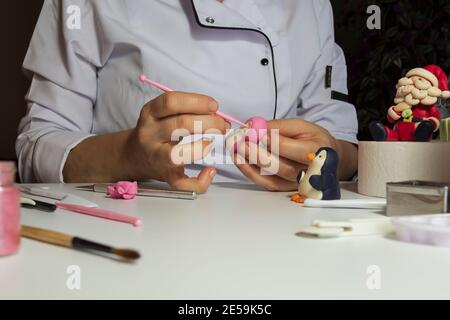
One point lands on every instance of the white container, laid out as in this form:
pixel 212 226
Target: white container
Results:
pixel 383 162
pixel 431 230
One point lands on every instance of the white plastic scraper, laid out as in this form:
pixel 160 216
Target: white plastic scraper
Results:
pixel 352 227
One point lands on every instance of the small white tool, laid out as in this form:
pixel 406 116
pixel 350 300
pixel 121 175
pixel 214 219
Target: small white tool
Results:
pixel 72 199
pixel 371 203
pixel 43 192
pixel 28 201
pixel 352 227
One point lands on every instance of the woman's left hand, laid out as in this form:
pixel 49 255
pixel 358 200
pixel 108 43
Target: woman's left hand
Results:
pixel 277 166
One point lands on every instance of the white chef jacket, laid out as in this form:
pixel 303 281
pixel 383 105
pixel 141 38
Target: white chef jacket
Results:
pixel 269 58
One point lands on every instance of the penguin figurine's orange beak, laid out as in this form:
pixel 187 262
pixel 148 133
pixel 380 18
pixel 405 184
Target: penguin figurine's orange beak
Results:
pixel 311 156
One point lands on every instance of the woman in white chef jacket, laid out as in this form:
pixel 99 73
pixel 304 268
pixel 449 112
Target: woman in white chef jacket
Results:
pixel 90 119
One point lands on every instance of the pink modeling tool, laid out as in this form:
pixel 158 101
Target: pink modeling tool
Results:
pixel 144 78
pixel 100 213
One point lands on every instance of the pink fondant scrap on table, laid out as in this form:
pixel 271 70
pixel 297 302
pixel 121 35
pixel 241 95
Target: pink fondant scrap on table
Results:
pixel 123 190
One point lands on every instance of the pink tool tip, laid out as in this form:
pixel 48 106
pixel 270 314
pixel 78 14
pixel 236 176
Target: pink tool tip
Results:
pixel 142 77
pixel 138 223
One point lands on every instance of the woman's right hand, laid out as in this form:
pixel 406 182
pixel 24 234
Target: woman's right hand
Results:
pixel 152 150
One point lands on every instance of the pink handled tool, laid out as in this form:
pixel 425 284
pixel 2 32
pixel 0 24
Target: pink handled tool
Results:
pixel 145 79
pixel 100 213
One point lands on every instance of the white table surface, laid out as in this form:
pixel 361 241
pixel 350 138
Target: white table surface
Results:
pixel 236 242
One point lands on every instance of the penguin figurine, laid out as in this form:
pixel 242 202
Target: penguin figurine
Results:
pixel 321 180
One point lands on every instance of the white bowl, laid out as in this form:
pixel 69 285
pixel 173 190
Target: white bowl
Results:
pixel 433 229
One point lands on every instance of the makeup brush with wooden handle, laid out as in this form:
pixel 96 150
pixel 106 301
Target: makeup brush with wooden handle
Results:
pixel 65 240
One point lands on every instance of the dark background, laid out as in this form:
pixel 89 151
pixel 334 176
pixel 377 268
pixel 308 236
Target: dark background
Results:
pixel 17 22
pixel 414 33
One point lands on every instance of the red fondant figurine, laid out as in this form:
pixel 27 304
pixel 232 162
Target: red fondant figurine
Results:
pixel 415 116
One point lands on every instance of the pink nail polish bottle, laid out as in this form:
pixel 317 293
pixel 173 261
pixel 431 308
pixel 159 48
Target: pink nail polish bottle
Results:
pixel 9 210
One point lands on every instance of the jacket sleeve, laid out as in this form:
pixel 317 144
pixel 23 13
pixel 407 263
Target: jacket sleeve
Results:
pixel 322 100
pixel 62 62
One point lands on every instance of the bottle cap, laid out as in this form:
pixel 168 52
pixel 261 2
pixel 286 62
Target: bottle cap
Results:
pixel 7 172
pixel 7 166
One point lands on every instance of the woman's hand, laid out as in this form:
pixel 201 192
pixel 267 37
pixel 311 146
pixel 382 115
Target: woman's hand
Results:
pixel 276 167
pixel 163 122
pixel 151 149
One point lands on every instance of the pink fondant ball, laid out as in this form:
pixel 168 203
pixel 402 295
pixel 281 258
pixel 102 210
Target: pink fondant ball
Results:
pixel 258 126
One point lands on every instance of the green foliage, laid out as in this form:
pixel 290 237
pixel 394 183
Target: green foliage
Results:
pixel 413 34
